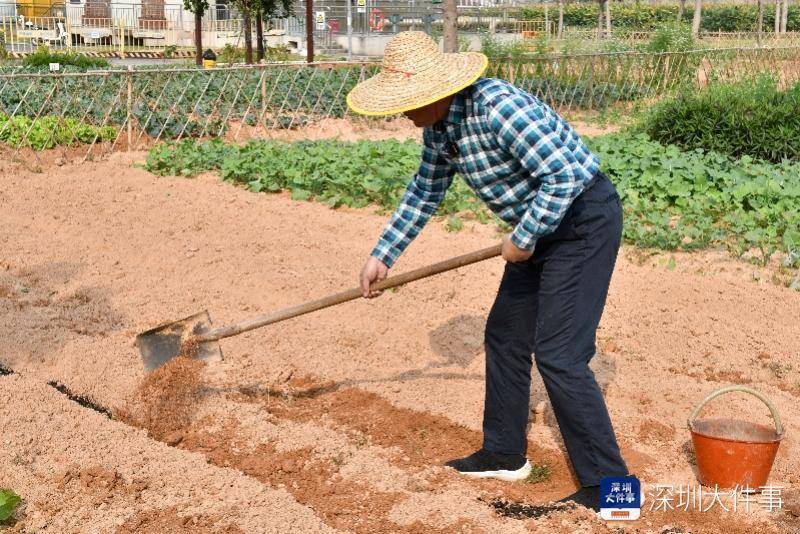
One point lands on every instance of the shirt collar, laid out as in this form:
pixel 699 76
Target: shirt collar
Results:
pixel 456 112
pixel 457 108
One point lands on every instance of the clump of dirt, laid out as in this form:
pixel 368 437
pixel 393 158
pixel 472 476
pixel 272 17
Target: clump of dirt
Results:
pixel 166 400
pixel 652 430
pixel 167 521
pixel 726 375
pixel 91 477
pixel 101 482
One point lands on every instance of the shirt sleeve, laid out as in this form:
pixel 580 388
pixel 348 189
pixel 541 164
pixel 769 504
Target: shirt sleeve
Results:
pixel 421 200
pixel 532 137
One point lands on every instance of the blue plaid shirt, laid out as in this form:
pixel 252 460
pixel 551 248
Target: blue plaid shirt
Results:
pixel 522 159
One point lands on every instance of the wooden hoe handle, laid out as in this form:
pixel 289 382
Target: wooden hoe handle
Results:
pixel 351 294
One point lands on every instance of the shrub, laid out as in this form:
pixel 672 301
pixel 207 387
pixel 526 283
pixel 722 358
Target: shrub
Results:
pixel 231 54
pixel 277 53
pixel 751 117
pixel 672 37
pixel 497 49
pixel 44 56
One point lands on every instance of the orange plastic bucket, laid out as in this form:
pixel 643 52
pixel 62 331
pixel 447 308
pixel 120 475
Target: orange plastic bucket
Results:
pixel 731 452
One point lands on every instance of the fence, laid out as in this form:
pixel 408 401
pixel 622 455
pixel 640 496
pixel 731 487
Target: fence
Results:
pixel 95 112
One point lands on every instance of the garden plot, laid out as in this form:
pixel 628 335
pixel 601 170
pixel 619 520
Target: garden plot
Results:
pixel 339 420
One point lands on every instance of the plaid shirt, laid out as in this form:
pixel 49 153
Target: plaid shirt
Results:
pixel 523 160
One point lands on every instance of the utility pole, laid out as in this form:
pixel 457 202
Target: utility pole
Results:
pixel 310 31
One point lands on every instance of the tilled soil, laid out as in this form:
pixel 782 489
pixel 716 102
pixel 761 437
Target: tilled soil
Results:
pixel 339 420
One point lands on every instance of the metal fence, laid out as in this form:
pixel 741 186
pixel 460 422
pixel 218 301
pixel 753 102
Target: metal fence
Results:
pixel 99 26
pixel 96 112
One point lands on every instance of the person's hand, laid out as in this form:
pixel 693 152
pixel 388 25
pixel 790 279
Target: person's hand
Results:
pixel 374 271
pixel 512 253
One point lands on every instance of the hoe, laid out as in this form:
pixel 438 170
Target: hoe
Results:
pixel 194 336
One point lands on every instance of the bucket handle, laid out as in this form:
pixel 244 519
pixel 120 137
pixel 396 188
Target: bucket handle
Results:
pixel 744 389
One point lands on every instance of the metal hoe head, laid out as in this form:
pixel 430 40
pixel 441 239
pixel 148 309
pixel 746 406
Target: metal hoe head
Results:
pixel 159 345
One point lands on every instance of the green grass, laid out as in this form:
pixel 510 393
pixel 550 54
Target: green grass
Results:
pixel 539 473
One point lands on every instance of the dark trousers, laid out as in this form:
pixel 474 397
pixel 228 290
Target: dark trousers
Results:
pixel 550 306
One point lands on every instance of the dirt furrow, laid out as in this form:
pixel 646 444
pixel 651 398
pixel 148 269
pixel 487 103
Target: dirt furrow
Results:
pixel 351 481
pixel 80 472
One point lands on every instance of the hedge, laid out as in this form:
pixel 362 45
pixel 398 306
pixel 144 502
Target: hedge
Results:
pixel 752 117
pixel 727 18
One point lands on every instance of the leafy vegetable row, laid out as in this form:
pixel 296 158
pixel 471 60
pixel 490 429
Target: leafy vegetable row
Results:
pixel 673 199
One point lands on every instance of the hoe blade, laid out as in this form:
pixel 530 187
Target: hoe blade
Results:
pixel 162 343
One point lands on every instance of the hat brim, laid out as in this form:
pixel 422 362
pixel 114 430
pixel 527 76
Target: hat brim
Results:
pixel 388 93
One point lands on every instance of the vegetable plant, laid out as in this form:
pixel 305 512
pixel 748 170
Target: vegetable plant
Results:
pixel 673 199
pixel 8 503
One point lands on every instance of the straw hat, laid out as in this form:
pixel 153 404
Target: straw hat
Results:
pixel 414 73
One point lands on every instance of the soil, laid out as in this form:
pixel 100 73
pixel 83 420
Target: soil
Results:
pixel 339 420
pixel 165 400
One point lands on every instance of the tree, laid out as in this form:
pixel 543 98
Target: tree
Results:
pixel 698 12
pixel 560 31
pixel 198 8
pixel 259 36
pixel 600 12
pixel 681 10
pixel 246 6
pixel 778 15
pixel 760 22
pixel 266 10
pixel 450 23
pixel 603 18
pixel 785 16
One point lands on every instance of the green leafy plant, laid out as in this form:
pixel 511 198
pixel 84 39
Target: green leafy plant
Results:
pixel 43 56
pixel 748 118
pixel 697 199
pixel 496 49
pixel 231 54
pixel 169 51
pixel 48 132
pixel 278 53
pixel 671 37
pixel 333 172
pixel 672 199
pixel 8 503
